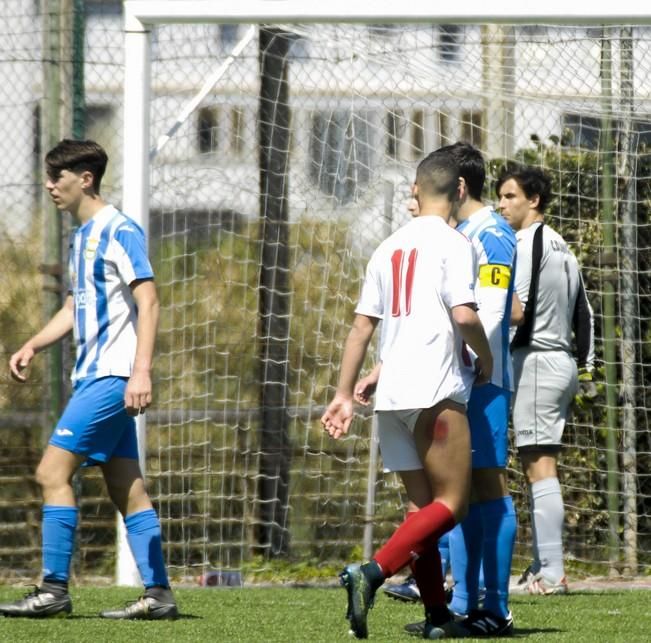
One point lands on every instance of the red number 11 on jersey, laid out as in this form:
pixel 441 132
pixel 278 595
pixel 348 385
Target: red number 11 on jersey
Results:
pixel 397 262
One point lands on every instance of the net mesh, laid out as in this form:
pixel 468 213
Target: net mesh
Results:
pixel 255 310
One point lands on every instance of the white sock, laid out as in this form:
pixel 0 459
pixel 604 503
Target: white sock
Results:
pixel 548 515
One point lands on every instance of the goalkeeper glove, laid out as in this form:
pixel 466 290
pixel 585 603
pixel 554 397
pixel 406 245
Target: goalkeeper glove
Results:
pixel 587 388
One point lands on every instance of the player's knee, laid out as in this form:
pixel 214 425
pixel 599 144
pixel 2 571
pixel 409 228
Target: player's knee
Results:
pixel 49 478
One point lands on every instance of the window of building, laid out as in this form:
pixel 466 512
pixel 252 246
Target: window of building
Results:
pixel 585 131
pixel 395 130
pixel 208 129
pixel 417 134
pixel 103 7
pixel 237 130
pixel 450 37
pixel 443 126
pixel 228 36
pixel 471 127
pixel 341 152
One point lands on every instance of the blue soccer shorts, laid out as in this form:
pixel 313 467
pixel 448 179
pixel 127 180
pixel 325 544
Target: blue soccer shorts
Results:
pixel 95 423
pixel 488 416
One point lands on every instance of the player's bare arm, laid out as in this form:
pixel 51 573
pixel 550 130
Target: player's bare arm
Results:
pixel 138 393
pixel 339 414
pixel 472 332
pixel 365 387
pixel 58 327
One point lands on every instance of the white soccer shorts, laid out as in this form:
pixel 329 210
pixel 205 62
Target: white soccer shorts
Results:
pixel 397 443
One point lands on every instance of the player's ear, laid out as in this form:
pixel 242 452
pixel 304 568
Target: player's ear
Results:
pixel 86 179
pixel 534 201
pixel 462 189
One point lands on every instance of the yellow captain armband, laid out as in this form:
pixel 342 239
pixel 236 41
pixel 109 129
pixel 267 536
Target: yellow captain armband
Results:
pixel 494 276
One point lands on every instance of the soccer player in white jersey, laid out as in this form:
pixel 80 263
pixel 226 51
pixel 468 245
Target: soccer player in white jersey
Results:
pixel 112 307
pixel 420 283
pixel 550 287
pixel 488 531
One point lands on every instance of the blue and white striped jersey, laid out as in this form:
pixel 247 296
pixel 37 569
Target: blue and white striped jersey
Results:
pixel 495 244
pixel 107 253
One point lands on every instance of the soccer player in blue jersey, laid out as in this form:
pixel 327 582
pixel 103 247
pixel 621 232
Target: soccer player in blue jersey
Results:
pixel 112 307
pixel 487 535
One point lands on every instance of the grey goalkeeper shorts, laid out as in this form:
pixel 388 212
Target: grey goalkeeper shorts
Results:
pixel 545 385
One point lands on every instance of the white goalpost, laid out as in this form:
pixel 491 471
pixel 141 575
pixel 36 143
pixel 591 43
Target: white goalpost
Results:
pixel 259 265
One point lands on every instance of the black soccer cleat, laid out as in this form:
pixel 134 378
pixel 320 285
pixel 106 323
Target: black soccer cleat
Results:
pixel 146 608
pixel 485 624
pixel 361 596
pixel 39 604
pixel 441 627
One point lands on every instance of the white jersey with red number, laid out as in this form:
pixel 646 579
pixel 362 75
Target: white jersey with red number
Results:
pixel 413 280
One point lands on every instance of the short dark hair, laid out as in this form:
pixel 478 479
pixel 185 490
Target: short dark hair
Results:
pixel 77 157
pixel 437 175
pixel 532 181
pixel 471 167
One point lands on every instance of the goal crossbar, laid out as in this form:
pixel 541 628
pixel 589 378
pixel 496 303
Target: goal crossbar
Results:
pixel 139 12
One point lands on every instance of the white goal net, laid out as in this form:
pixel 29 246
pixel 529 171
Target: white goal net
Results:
pixel 259 269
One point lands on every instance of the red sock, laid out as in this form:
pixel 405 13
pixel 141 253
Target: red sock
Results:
pixel 429 576
pixel 413 536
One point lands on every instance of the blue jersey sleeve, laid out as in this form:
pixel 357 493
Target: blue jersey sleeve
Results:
pixel 499 244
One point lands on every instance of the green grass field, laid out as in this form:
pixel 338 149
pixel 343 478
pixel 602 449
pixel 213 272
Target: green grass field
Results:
pixel 290 614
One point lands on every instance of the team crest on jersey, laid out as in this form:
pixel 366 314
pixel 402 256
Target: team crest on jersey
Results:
pixel 91 248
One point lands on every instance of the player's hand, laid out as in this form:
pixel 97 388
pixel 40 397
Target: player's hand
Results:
pixel 338 416
pixel 137 396
pixel 483 371
pixel 19 361
pixel 587 391
pixel 365 388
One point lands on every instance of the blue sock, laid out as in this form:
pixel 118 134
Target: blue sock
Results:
pixel 465 559
pixel 59 526
pixel 499 525
pixel 144 536
pixel 444 551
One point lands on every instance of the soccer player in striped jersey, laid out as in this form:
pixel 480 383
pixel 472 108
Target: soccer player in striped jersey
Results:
pixel 550 287
pixel 488 532
pixel 112 307
pixel 420 282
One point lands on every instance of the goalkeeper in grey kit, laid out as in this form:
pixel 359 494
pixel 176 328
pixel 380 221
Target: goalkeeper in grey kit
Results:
pixel 557 314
